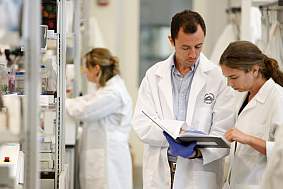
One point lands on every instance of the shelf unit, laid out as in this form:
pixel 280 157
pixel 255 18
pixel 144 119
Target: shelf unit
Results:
pixel 53 176
pixel 31 120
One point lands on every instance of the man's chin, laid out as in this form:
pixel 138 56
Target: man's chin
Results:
pixel 191 62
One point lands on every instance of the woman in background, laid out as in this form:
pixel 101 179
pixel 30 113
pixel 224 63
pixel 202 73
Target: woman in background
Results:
pixel 105 160
pixel 259 111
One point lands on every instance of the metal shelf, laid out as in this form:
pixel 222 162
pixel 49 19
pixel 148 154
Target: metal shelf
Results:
pixel 263 2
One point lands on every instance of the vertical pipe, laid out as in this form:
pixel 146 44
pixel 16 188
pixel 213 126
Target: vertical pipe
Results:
pixel 77 47
pixel 77 80
pixel 61 91
pixel 31 36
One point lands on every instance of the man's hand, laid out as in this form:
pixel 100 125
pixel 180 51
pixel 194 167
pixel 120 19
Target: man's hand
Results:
pixel 185 151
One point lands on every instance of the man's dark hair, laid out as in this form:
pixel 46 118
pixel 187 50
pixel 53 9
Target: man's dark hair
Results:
pixel 188 20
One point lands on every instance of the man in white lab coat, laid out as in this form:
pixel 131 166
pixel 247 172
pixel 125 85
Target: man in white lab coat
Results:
pixel 186 88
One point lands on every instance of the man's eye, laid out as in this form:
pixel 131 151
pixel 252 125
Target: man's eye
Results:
pixel 185 48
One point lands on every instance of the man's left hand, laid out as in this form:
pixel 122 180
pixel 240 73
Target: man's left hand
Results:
pixel 176 149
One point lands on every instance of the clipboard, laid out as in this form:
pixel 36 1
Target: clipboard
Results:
pixel 202 140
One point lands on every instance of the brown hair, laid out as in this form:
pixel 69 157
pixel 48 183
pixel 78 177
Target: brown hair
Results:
pixel 188 20
pixel 243 55
pixel 109 65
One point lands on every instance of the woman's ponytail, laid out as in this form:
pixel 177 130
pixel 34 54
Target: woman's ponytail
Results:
pixel 115 65
pixel 272 70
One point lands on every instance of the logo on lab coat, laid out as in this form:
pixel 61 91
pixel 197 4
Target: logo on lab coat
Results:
pixel 208 98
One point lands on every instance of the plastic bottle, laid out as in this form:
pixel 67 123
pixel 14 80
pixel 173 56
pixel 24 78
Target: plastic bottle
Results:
pixel 3 75
pixel 12 79
pixel 44 78
pixel 20 82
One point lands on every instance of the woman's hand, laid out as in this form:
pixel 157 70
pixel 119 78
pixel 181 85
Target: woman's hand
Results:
pixel 234 134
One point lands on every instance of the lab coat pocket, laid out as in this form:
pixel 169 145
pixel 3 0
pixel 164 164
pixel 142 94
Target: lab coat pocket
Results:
pixel 205 180
pixel 95 166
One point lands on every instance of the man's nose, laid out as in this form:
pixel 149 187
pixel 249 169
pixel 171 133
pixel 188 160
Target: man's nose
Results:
pixel 192 53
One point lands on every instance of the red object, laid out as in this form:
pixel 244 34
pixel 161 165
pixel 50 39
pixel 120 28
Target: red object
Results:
pixel 102 2
pixel 6 159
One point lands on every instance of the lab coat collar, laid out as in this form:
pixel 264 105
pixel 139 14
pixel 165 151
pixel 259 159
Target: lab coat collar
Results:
pixel 260 97
pixel 165 66
pixel 264 91
pixel 162 71
pixel 113 80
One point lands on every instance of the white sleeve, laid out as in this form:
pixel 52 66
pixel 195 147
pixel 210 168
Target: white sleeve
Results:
pixel 274 172
pixel 276 122
pixel 94 107
pixel 223 119
pixel 146 130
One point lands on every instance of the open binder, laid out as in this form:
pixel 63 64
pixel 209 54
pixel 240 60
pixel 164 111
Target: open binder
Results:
pixel 203 140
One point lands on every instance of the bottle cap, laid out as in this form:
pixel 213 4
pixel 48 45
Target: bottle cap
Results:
pixel 6 159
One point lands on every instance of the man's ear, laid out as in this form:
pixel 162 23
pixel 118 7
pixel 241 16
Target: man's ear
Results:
pixel 171 41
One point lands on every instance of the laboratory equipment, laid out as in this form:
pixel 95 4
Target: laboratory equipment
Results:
pixel 3 75
pixel 20 82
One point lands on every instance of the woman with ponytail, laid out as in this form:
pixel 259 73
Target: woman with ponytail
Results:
pixel 105 160
pixel 258 111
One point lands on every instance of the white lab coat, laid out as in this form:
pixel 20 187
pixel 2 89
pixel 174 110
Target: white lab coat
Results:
pixel 255 25
pixel 229 35
pixel 105 161
pixel 212 117
pixel 274 47
pixel 261 117
pixel 274 172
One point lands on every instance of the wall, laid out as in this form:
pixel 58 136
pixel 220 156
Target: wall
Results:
pixel 215 18
pixel 118 23
pixel 166 9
